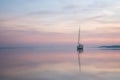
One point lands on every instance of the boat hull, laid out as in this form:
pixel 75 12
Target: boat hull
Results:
pixel 80 46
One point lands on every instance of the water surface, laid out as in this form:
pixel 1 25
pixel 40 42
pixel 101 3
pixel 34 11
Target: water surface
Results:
pixel 59 64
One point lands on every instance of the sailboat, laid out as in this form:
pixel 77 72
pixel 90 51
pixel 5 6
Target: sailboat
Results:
pixel 79 45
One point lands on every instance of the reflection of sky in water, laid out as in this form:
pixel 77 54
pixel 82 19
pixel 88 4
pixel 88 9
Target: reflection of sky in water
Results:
pixel 59 65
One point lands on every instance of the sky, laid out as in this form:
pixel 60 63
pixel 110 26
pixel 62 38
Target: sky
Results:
pixel 36 22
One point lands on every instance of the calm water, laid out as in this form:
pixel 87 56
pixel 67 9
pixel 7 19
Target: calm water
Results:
pixel 59 64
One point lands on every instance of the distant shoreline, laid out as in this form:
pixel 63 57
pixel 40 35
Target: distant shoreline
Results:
pixel 113 47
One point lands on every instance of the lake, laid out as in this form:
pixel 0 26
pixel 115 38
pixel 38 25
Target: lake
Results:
pixel 59 63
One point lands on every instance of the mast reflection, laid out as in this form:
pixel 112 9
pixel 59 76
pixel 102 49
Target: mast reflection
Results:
pixel 79 51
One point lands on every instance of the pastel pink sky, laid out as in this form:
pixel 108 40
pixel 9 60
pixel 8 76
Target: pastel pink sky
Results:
pixel 58 21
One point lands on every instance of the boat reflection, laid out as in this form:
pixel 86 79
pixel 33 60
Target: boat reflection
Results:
pixel 79 51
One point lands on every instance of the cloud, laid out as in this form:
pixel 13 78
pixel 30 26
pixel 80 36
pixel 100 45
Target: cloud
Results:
pixel 34 37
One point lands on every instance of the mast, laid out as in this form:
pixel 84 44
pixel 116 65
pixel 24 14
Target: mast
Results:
pixel 79 36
